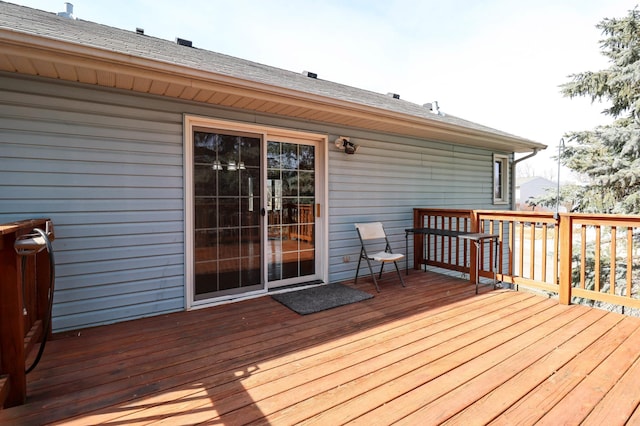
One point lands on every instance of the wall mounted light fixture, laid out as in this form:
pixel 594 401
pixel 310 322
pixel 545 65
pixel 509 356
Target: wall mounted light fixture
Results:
pixel 345 144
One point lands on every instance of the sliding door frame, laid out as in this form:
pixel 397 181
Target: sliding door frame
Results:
pixel 322 241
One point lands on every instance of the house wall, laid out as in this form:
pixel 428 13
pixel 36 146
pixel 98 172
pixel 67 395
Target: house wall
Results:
pixel 109 175
pixel 107 167
pixel 385 180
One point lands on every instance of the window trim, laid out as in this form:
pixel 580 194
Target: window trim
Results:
pixel 503 197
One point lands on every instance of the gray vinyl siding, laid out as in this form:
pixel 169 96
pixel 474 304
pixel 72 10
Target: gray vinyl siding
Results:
pixel 110 176
pixel 386 179
pixel 107 167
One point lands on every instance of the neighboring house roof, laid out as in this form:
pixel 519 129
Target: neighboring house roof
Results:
pixel 537 179
pixel 40 43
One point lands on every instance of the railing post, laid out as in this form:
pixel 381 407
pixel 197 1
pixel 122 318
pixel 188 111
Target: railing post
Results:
pixel 565 241
pixel 418 243
pixel 473 249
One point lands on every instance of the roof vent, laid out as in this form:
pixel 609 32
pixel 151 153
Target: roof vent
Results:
pixel 435 108
pixel 310 74
pixel 393 95
pixel 183 42
pixel 140 31
pixel 68 13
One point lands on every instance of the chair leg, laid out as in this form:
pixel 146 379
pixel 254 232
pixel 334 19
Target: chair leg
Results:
pixel 358 270
pixel 373 275
pixel 399 274
pixel 381 267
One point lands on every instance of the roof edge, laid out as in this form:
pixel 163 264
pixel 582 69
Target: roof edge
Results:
pixel 41 47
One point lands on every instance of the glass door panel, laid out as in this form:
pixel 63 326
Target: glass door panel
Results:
pixel 227 201
pixel 291 248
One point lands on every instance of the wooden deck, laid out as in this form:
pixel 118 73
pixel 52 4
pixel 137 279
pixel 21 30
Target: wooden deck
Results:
pixel 430 353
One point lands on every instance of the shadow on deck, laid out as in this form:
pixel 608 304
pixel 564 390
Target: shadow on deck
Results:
pixel 425 354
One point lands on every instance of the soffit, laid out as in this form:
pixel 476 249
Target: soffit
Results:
pixel 45 57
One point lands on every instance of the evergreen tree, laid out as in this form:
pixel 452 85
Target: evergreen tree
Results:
pixel 608 156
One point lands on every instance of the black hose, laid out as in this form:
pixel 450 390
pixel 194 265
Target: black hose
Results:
pixel 23 266
pixel 47 319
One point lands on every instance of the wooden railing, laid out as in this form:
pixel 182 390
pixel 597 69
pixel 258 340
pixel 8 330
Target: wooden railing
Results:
pixel 442 251
pixel 606 248
pixel 528 249
pixel 24 303
pixel 586 258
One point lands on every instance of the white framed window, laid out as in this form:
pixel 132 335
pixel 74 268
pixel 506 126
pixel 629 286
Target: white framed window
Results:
pixel 500 179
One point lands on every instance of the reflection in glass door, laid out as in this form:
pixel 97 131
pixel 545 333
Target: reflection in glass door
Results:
pixel 291 239
pixel 227 203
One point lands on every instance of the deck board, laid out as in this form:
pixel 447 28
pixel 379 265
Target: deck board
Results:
pixel 465 393
pixel 429 353
pixel 516 390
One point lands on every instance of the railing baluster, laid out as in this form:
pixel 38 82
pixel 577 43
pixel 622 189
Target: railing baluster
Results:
pixel 501 247
pixel 544 253
pixel 556 254
pixel 491 247
pixel 465 244
pixel 583 255
pixel 449 258
pixel 629 260
pixel 428 239
pixel 612 274
pixel 597 261
pixel 521 248
pixel 532 250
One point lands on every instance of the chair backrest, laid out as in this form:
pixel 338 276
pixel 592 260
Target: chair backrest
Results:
pixel 370 231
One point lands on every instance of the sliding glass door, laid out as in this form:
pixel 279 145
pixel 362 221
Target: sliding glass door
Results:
pixel 227 204
pixel 291 191
pixel 254 211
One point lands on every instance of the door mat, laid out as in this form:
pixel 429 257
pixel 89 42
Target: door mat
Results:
pixel 320 298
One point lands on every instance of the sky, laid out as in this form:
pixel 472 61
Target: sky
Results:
pixel 498 63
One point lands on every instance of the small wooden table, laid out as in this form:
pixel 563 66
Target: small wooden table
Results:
pixel 477 238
